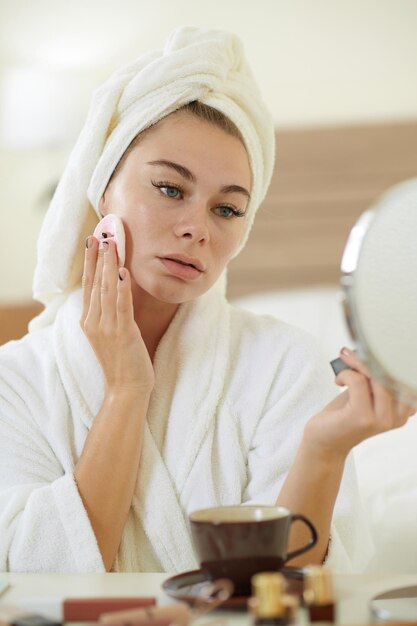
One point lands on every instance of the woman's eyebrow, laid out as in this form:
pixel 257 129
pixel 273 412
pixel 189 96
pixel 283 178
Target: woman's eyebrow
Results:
pixel 235 189
pixel 185 173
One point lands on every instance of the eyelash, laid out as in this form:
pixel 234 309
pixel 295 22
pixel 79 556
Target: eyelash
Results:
pixel 161 184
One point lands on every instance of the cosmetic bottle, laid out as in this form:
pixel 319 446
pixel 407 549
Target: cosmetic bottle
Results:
pixel 291 604
pixel 318 594
pixel 267 604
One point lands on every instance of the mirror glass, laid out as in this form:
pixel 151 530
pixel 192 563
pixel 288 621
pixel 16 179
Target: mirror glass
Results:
pixel 395 604
pixel 379 280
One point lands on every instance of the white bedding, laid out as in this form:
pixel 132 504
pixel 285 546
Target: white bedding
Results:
pixel 386 464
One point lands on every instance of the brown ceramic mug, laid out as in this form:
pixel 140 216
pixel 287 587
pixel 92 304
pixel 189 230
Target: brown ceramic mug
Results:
pixel 236 542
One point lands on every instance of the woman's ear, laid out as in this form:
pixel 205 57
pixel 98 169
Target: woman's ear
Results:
pixel 102 205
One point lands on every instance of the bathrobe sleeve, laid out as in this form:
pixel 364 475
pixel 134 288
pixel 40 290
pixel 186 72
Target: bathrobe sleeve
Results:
pixel 44 526
pixel 303 385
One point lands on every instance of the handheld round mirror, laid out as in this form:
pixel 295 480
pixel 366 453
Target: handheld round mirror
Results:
pixel 395 605
pixel 379 280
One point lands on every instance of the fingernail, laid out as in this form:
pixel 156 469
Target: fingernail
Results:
pixel 122 273
pixel 345 351
pixel 88 241
pixel 105 245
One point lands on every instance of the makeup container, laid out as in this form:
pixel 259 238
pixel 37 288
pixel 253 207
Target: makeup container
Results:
pixel 179 614
pixel 318 594
pixel 211 596
pixel 267 604
pixel 292 605
pixel 83 609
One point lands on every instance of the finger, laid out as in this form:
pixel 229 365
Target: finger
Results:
pixel 108 288
pixel 403 411
pixel 339 401
pixel 94 313
pixel 360 393
pixel 90 260
pixel 124 299
pixel 352 359
pixel 384 405
pixel 390 411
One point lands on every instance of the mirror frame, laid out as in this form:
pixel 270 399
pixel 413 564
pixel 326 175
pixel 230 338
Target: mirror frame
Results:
pixel 348 269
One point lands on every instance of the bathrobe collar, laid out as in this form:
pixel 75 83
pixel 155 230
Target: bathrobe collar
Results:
pixel 191 365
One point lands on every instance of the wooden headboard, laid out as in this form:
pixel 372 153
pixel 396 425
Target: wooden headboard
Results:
pixel 324 179
pixel 14 318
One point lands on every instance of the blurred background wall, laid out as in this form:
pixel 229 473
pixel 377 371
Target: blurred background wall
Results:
pixel 318 63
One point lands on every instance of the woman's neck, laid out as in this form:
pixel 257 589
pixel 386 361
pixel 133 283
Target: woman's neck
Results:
pixel 153 318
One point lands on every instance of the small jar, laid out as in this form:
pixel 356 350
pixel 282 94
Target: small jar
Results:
pixel 267 604
pixel 318 594
pixel 291 604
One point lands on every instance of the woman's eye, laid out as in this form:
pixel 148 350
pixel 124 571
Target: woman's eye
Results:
pixel 170 192
pixel 225 211
pixel 228 212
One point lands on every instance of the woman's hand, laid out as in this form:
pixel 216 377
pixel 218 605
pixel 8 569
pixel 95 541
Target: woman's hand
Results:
pixel 108 321
pixel 365 409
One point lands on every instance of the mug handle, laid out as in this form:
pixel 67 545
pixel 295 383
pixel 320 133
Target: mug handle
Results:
pixel 310 544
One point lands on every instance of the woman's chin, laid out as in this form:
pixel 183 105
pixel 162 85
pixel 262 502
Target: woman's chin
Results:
pixel 172 292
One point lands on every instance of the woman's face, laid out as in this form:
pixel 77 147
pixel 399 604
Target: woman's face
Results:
pixel 181 194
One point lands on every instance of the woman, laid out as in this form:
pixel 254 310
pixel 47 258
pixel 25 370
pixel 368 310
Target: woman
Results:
pixel 144 395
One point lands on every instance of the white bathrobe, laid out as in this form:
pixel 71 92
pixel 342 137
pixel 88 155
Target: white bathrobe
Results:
pixel 224 423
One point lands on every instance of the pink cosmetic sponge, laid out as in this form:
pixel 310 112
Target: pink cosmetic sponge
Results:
pixel 111 227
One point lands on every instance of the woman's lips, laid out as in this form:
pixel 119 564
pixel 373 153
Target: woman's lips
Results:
pixel 187 272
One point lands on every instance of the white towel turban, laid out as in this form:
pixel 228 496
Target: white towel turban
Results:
pixel 196 64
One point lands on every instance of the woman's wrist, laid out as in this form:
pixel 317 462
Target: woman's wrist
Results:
pixel 315 452
pixel 126 394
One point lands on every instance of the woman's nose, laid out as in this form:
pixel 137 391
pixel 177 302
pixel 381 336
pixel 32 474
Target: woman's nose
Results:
pixel 193 226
